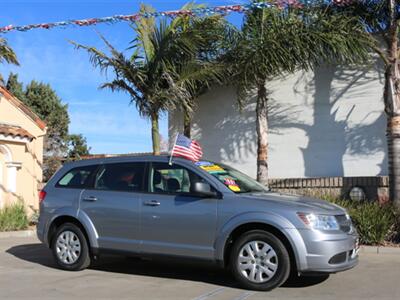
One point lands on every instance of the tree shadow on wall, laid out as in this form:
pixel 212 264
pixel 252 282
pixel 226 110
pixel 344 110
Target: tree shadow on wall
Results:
pixel 339 128
pixel 335 130
pixel 230 133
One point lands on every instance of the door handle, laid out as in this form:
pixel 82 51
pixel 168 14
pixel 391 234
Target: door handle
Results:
pixel 151 203
pixel 90 199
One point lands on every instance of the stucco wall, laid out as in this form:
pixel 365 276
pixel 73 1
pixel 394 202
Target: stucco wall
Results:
pixel 28 156
pixel 327 123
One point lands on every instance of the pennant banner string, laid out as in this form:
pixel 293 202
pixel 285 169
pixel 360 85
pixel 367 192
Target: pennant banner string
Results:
pixel 222 10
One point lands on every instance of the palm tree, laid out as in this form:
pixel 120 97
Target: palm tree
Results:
pixel 6 55
pixel 150 76
pixel 197 77
pixel 198 73
pixel 280 40
pixel 382 20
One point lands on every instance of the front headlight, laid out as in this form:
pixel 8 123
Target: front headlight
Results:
pixel 319 222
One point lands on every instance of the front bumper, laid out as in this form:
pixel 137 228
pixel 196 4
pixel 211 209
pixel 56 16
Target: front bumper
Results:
pixel 328 252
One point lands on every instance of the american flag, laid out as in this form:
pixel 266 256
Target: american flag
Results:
pixel 187 148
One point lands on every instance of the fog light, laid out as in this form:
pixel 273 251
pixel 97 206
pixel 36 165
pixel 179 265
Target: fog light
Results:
pixel 338 258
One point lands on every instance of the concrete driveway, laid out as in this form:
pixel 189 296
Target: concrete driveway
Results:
pixel 27 271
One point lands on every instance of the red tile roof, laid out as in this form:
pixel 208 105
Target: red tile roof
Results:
pixel 25 109
pixel 14 131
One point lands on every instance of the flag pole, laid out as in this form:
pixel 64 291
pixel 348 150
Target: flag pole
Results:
pixel 172 151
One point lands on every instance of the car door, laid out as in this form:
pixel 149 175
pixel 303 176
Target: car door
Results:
pixel 113 205
pixel 67 191
pixel 174 221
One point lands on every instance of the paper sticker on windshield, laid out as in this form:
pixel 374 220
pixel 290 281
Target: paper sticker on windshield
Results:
pixel 213 169
pixel 231 183
pixel 234 188
pixel 203 163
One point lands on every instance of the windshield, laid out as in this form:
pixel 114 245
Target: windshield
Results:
pixel 234 180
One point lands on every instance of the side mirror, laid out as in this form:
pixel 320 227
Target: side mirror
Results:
pixel 203 189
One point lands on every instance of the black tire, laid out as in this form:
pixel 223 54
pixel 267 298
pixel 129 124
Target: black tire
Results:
pixel 283 259
pixel 83 260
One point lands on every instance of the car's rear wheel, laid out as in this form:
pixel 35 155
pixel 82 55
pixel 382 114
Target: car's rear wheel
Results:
pixel 70 248
pixel 260 261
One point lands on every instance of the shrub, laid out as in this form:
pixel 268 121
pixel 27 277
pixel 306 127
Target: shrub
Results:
pixel 13 217
pixel 34 218
pixel 375 223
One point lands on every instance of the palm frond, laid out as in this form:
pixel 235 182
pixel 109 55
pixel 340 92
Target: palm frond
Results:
pixel 277 41
pixel 7 54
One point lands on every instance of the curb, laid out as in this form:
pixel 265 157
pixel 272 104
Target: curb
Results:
pixel 379 250
pixel 17 234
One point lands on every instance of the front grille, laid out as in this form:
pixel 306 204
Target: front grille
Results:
pixel 344 223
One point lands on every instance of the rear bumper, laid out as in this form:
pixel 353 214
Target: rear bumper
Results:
pixel 40 235
pixel 41 232
pixel 329 252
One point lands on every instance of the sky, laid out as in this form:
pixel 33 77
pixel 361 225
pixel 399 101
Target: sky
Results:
pixel 106 119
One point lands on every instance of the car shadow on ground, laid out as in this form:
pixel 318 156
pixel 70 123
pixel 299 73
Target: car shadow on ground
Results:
pixel 40 254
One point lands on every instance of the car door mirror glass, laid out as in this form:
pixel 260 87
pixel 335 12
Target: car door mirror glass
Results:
pixel 203 189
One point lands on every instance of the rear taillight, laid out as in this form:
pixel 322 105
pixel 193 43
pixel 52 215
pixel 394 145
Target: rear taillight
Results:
pixel 42 195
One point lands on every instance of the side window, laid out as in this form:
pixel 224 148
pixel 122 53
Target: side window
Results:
pixel 126 177
pixel 77 177
pixel 173 179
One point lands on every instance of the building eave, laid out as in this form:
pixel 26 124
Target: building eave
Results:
pixel 22 107
pixel 15 139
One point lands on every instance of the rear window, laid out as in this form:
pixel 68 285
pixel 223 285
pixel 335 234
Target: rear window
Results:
pixel 77 177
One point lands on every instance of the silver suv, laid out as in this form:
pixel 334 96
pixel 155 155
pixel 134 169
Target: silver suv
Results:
pixel 205 210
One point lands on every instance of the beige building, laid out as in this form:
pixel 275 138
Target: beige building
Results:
pixel 21 151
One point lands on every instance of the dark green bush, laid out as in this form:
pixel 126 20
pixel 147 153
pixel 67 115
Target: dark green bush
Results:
pixel 374 222
pixel 13 217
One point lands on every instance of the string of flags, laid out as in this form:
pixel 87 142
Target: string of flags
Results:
pixel 221 10
pixel 343 2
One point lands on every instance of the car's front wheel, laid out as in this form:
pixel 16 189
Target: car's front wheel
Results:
pixel 70 248
pixel 260 261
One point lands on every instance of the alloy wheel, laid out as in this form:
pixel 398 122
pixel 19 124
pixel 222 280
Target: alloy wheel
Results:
pixel 68 247
pixel 257 261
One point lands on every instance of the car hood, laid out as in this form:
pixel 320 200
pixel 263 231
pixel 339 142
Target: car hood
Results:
pixel 297 203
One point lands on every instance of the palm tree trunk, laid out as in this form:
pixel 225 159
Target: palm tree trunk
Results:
pixel 392 105
pixel 392 102
pixel 155 133
pixel 262 134
pixel 187 123
pixel 393 141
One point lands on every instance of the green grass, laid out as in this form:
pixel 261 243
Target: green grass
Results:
pixel 13 217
